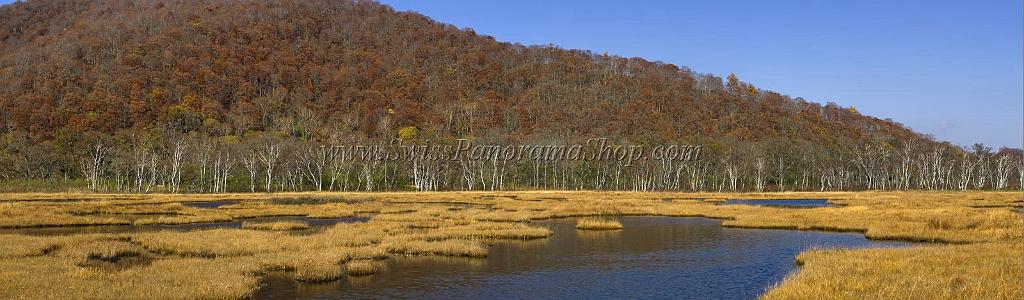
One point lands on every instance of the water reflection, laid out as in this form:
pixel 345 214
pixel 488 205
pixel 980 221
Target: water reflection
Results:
pixel 314 226
pixel 652 257
pixel 794 203
pixel 210 204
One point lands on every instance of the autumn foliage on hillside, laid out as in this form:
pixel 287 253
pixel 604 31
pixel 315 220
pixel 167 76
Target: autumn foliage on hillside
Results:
pixel 319 67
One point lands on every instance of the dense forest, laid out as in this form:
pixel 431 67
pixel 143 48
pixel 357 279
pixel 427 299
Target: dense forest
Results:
pixel 218 96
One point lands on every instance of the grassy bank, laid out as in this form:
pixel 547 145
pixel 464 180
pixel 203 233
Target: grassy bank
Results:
pixel 974 271
pixel 975 233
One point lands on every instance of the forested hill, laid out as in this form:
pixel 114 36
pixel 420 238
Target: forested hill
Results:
pixel 221 96
pixel 314 69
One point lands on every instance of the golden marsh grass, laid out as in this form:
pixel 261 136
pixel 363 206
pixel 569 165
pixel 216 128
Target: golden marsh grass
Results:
pixel 275 226
pixel 598 224
pixel 446 248
pixel 975 271
pixel 977 254
pixel 363 267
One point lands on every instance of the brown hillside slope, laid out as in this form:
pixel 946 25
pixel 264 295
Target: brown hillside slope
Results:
pixel 320 67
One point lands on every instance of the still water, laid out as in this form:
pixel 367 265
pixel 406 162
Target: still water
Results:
pixel 210 204
pixel 794 203
pixel 652 257
pixel 315 225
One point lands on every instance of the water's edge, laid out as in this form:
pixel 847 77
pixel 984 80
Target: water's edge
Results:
pixel 652 257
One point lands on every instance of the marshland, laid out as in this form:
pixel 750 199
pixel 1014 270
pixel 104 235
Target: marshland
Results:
pixel 861 245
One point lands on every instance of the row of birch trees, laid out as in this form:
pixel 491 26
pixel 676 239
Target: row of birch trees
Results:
pixel 189 163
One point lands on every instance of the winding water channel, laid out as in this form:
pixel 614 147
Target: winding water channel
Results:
pixel 652 257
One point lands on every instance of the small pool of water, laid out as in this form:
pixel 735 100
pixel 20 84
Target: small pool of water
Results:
pixel 314 224
pixel 209 204
pixel 652 257
pixel 797 203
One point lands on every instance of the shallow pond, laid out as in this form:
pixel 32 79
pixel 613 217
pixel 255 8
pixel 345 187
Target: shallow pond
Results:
pixel 796 203
pixel 210 204
pixel 652 257
pixel 314 224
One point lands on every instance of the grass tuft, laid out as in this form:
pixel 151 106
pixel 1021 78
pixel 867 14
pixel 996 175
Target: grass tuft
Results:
pixel 317 272
pixel 443 248
pixel 597 224
pixel 363 267
pixel 276 226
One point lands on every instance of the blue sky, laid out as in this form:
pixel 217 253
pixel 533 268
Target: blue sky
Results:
pixel 953 69
pixel 948 68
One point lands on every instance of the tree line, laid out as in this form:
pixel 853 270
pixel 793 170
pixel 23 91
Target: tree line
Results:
pixel 147 162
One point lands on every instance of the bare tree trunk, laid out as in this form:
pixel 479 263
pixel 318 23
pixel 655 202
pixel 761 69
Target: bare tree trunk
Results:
pixel 759 174
pixel 92 164
pixel 177 158
pixel 966 171
pixel 1020 171
pixel 1002 171
pixel 203 156
pixel 249 160
pixel 141 155
pixel 268 155
pixel 781 172
pixel 314 160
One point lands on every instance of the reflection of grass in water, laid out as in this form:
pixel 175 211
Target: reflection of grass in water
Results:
pixel 446 247
pixel 598 224
pixel 363 267
pixel 598 234
pixel 178 220
pixel 526 245
pixel 359 281
pixel 311 289
pixel 468 262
